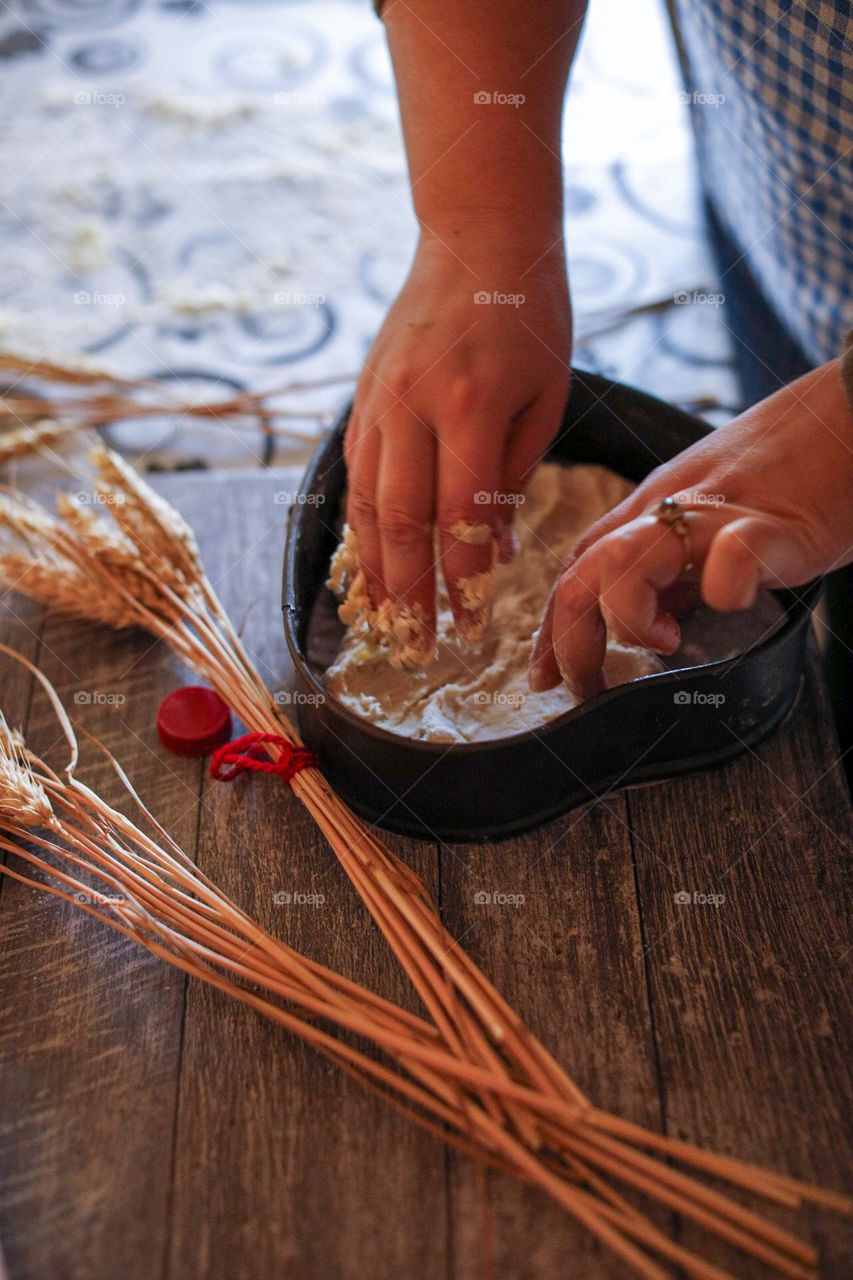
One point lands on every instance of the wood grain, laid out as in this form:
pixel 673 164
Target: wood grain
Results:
pixel 153 1130
pixel 751 995
pixel 272 1141
pixel 568 956
pixel 89 1024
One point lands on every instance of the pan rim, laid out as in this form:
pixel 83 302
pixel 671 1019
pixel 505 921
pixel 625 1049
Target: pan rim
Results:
pixel 799 605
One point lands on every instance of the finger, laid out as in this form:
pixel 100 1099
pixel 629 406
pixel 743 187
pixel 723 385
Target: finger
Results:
pixel 468 482
pixel 749 553
pixel 544 668
pixel 405 503
pixel 532 431
pixel 363 469
pixel 615 586
pixel 631 566
pixel 578 631
pixel 633 616
pixel 636 564
pixel 626 570
pixel 543 672
pixel 661 483
pixel 620 515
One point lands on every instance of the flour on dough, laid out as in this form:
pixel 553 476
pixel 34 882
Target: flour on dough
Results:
pixel 475 691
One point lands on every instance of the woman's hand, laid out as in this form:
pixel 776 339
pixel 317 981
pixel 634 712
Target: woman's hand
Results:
pixel 770 499
pixel 460 395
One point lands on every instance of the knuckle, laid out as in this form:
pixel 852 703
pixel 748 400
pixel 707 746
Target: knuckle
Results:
pixel 398 526
pixel 398 382
pixel 361 504
pixel 464 395
pixel 571 590
pixel 619 552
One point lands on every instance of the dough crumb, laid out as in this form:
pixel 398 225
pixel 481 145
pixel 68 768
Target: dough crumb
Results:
pixel 475 594
pixel 475 535
pixel 476 591
pixel 403 629
pixel 399 632
pixel 347 582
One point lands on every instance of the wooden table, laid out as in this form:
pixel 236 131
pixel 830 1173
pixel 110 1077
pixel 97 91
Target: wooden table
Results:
pixel 153 1130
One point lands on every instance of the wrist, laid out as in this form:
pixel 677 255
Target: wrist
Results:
pixel 482 238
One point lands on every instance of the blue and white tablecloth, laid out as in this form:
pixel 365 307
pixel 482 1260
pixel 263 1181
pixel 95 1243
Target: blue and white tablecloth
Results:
pixel 214 194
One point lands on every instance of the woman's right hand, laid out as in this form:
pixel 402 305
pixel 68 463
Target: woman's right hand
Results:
pixel 459 397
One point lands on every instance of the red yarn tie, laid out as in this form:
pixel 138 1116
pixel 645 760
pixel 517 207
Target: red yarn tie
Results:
pixel 248 753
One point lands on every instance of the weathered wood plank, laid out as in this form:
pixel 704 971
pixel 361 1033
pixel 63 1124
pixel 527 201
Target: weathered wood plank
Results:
pixel 750 999
pixel 139 1141
pixel 569 958
pixel 285 1167
pixel 89 1023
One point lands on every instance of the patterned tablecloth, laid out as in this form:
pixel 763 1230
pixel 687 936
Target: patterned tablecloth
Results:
pixel 214 194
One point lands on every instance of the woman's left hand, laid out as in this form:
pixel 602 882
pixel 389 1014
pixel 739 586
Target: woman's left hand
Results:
pixel 769 502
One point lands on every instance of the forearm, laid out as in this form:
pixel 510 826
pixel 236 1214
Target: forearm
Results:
pixel 481 92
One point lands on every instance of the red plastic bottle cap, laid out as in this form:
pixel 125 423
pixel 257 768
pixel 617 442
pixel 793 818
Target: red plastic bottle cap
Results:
pixel 193 721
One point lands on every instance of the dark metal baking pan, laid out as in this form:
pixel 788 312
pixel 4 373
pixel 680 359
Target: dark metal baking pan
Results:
pixel 660 726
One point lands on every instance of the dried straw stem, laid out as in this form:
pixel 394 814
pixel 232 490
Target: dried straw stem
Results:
pixel 92 397
pixel 470 1065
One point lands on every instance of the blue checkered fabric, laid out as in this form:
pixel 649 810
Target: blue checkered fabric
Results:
pixel 770 91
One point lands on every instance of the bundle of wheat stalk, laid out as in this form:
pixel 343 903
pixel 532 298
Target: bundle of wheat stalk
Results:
pixel 470 1069
pixel 86 397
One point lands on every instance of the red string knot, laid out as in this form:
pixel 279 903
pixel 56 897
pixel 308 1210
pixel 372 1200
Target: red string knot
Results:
pixel 248 753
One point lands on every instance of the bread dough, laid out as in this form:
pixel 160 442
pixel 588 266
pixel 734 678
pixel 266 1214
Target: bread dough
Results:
pixel 475 692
